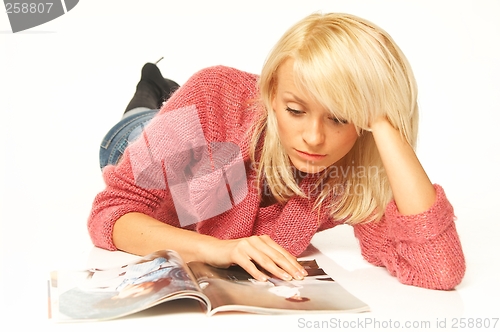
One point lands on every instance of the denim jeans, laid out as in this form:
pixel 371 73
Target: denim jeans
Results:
pixel 121 135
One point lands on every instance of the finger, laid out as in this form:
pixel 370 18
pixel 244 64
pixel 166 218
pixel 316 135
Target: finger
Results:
pixel 248 265
pixel 298 271
pixel 274 259
pixel 251 252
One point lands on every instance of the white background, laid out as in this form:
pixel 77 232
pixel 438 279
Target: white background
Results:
pixel 65 83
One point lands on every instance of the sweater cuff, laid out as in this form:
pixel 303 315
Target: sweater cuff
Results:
pixel 423 226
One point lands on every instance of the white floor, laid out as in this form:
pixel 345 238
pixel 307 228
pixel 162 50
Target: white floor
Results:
pixel 64 83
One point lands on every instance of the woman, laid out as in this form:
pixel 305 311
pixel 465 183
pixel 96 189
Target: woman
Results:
pixel 241 169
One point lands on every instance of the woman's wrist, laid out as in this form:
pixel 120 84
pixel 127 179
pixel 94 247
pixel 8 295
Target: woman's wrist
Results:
pixel 379 124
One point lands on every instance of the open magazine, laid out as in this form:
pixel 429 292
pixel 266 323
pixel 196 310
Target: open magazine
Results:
pixel 98 294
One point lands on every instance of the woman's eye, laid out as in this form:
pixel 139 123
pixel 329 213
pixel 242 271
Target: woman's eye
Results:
pixel 293 111
pixel 339 121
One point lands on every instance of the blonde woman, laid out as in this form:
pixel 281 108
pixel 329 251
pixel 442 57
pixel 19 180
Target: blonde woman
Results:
pixel 242 169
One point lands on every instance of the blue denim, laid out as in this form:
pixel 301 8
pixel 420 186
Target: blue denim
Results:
pixel 121 135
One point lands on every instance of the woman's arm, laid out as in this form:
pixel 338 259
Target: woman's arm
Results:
pixel 136 212
pixel 412 189
pixel 140 234
pixel 416 240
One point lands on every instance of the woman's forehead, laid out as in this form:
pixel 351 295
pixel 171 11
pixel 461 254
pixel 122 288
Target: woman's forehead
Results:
pixel 293 85
pixel 291 82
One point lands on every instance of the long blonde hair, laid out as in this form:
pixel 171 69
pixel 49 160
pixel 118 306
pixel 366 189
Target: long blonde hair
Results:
pixel 355 70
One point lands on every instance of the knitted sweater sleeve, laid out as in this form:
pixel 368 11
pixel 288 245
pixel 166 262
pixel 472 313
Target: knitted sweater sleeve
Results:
pixel 421 250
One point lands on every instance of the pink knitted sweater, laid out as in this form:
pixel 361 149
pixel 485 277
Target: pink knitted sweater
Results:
pixel 422 250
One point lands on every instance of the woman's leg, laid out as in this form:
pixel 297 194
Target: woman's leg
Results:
pixel 151 91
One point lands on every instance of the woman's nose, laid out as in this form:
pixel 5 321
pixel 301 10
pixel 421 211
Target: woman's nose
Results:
pixel 313 134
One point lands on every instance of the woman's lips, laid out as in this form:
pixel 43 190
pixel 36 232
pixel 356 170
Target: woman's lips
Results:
pixel 310 156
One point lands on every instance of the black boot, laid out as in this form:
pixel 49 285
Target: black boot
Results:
pixel 152 90
pixel 172 86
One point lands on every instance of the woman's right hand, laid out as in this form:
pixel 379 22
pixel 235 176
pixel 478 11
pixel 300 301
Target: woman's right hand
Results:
pixel 140 234
pixel 251 253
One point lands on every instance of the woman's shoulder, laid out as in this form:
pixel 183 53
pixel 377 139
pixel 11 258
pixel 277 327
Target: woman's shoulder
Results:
pixel 224 71
pixel 222 99
pixel 217 88
pixel 224 77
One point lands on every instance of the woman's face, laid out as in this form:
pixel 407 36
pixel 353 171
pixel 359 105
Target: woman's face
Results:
pixel 310 135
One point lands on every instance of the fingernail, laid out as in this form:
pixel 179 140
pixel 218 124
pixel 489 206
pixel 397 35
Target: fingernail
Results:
pixel 286 276
pixel 299 275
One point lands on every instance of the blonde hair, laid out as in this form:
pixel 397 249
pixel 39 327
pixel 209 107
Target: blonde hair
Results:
pixel 354 69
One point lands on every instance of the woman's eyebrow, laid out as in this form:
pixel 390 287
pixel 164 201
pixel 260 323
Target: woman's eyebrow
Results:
pixel 298 99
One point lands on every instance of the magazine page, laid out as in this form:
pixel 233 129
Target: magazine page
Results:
pixel 233 289
pixel 97 294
